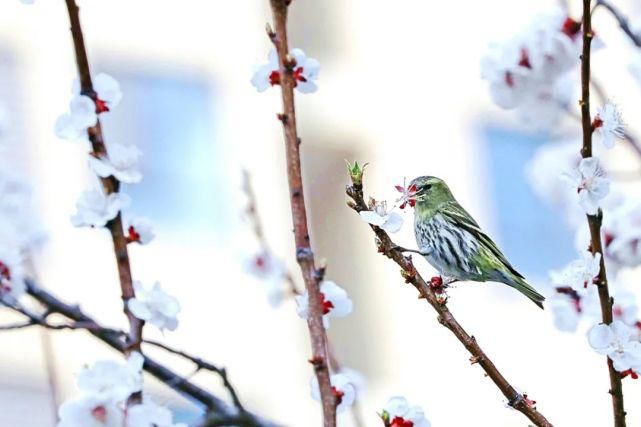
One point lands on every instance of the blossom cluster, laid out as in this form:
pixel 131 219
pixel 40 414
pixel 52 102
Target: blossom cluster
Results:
pixel 530 72
pixel 397 412
pixel 105 387
pixel 96 208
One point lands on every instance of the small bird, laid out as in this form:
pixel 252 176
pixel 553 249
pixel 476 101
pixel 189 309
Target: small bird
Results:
pixel 453 242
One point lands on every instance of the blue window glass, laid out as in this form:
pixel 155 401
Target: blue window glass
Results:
pixel 169 117
pixel 532 234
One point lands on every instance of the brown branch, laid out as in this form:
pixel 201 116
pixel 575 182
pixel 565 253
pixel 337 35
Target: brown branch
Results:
pixel 594 221
pixel 624 23
pixel 110 184
pixel 216 407
pixel 388 248
pixel 304 253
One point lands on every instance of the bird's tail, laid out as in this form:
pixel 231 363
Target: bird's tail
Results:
pixel 522 286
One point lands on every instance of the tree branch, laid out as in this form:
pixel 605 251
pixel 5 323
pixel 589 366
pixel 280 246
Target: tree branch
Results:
pixel 110 184
pixel 218 410
pixel 388 248
pixel 622 20
pixel 304 255
pixel 594 221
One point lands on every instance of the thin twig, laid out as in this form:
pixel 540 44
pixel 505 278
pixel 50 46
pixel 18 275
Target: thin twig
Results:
pixel 110 184
pixel 387 247
pixel 594 221
pixel 304 255
pixel 215 406
pixel 257 228
pixel 203 364
pixel 624 23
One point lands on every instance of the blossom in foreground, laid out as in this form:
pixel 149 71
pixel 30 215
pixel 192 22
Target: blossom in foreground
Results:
pixel 271 271
pixel 590 183
pixel 150 414
pixel 11 274
pixel 83 110
pixel 579 273
pixel 619 342
pixel 342 387
pixel 608 125
pixel 334 300
pixel 121 162
pixel 399 413
pixel 408 195
pixel 388 221
pixel 140 230
pixel 112 380
pixel 153 305
pixel 305 72
pixel 95 209
pixel 108 93
pixel 91 411
pixel 73 124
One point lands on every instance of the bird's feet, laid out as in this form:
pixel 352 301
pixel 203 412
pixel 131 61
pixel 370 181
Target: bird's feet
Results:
pixel 416 251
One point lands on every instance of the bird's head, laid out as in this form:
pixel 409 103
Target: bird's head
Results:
pixel 431 192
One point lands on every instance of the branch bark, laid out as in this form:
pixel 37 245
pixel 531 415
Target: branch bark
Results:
pixel 594 221
pixel 304 255
pixel 219 411
pixel 110 184
pixel 388 248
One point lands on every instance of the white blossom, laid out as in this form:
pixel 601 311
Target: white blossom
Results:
pixel 112 380
pixel 565 312
pixel 107 90
pixel 619 342
pixel 622 234
pixel 590 183
pixel 91 411
pixel 625 308
pixel 608 125
pixel 18 225
pixel 334 302
pixel 73 124
pixel 272 273
pixel 388 221
pixel 94 209
pixel 529 65
pixel 305 72
pixel 153 305
pixel 121 162
pixel 580 273
pixel 150 414
pixel 398 408
pixel 140 230
pixel 343 390
pixel 11 273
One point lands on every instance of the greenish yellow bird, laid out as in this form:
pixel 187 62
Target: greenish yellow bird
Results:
pixel 453 242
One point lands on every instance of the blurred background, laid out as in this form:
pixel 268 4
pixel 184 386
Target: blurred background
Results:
pixel 400 88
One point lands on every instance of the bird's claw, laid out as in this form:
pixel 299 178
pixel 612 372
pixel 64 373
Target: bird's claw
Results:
pixel 416 251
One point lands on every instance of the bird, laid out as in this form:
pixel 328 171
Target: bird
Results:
pixel 453 242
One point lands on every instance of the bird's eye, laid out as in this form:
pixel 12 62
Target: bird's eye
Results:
pixel 428 186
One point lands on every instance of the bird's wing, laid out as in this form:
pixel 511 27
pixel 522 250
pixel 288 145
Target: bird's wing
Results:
pixel 459 216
